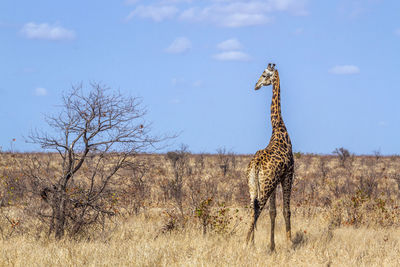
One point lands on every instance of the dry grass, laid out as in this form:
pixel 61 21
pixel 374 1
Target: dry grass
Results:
pixel 132 243
pixel 341 216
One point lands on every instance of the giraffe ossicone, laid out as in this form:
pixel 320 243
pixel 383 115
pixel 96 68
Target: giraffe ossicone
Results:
pixel 273 165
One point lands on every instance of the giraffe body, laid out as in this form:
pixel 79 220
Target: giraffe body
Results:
pixel 273 165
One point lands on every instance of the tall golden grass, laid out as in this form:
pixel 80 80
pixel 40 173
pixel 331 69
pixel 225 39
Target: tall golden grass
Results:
pixel 131 242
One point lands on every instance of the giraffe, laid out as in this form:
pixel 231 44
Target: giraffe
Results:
pixel 272 165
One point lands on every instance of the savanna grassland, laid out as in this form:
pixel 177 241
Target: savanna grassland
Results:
pixel 181 209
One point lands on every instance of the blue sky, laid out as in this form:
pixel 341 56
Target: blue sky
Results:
pixel 195 64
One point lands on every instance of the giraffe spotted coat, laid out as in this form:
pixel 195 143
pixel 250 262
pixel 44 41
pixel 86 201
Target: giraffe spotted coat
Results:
pixel 273 165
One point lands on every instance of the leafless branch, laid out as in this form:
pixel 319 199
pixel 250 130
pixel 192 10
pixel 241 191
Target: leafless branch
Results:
pixel 94 135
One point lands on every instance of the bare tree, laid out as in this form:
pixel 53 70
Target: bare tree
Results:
pixel 344 156
pixel 95 135
pixel 377 153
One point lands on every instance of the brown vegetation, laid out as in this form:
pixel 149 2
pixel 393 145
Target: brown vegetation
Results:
pixel 191 209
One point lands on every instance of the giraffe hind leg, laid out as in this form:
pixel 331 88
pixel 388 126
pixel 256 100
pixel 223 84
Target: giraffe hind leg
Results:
pixel 257 207
pixel 286 190
pixel 272 215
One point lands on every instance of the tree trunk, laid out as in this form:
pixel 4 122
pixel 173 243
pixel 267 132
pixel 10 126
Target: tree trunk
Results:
pixel 59 214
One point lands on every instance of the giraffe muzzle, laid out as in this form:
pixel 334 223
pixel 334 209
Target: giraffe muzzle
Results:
pixel 259 84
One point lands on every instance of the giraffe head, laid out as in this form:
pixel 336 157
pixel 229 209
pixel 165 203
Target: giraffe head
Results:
pixel 267 77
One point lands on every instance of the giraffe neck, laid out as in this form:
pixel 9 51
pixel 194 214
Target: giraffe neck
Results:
pixel 276 116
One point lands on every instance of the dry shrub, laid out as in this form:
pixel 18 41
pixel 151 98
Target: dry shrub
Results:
pixel 172 222
pixel 136 188
pixel 241 194
pixel 347 196
pixel 9 225
pixel 13 187
pixel 361 209
pixel 200 188
pixel 396 178
pixel 299 239
pixel 368 183
pixel 344 156
pixel 323 168
pixel 226 160
pixel 181 169
pixel 217 217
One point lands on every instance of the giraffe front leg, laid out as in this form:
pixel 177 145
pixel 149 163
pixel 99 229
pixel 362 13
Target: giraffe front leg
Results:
pixel 272 215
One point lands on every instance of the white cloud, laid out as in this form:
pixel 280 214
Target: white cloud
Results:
pixel 154 12
pixel 295 7
pixel 224 13
pixel 131 2
pixel 243 13
pixel 344 70
pixel 230 44
pixel 242 19
pixel 227 15
pixel 231 51
pixel 354 9
pixel 40 91
pixel 232 56
pixel 45 31
pixel 175 1
pixel 179 45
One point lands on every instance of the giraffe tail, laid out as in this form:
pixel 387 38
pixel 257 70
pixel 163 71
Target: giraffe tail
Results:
pixel 254 185
pixel 254 189
pixel 255 213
